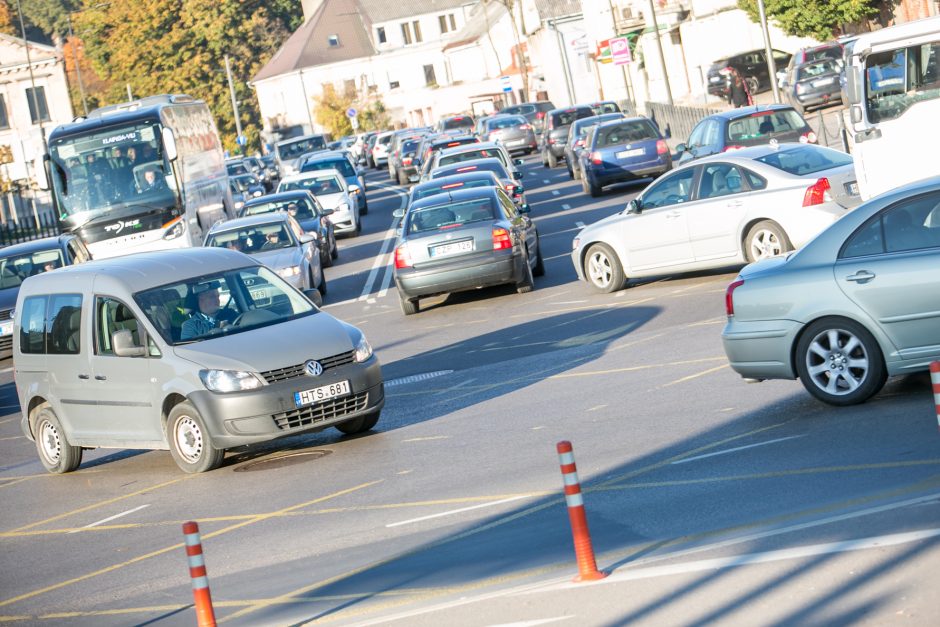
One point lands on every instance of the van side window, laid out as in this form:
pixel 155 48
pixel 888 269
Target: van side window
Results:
pixel 33 323
pixel 112 315
pixel 64 324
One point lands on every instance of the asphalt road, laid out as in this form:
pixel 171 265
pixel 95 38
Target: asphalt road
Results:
pixel 709 500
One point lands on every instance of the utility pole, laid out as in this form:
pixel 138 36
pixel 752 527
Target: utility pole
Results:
pixel 130 95
pixel 662 57
pixel 231 88
pixel 771 64
pixel 623 68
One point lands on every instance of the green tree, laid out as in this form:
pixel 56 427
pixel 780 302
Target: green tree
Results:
pixel 821 19
pixel 330 112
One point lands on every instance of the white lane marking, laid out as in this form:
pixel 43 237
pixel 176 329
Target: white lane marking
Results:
pixel 110 518
pixel 546 181
pixel 456 511
pixel 386 245
pixel 12 437
pixel 416 377
pixel 569 302
pixel 735 449
pixel 566 207
pixel 533 623
pixel 387 281
pixel 428 438
pixel 810 550
pixel 7 370
pixel 555 192
pixel 579 224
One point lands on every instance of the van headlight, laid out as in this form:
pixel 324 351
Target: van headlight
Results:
pixel 363 350
pixel 230 380
pixel 289 271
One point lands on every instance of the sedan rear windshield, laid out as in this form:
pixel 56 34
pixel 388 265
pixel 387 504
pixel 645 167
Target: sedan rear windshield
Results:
pixel 470 155
pixel 431 190
pixel 439 217
pixel 625 133
pixel 566 117
pixel 455 123
pixel 490 166
pixel 344 167
pixel 806 160
pixel 765 124
pixel 301 208
pixel 505 122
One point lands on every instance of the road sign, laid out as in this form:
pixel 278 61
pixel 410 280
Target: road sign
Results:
pixel 241 140
pixel 351 113
pixel 506 83
pixel 620 50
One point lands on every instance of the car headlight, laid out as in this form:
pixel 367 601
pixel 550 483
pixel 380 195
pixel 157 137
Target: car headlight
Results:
pixel 289 271
pixel 575 243
pixel 341 207
pixel 239 204
pixel 176 230
pixel 229 380
pixel 363 350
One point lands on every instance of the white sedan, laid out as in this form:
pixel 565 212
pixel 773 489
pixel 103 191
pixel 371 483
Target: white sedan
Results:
pixel 332 192
pixel 727 209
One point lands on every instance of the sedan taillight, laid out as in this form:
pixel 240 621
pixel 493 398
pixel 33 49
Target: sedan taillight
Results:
pixel 596 158
pixel 817 193
pixel 729 296
pixel 661 147
pixel 402 257
pixel 501 239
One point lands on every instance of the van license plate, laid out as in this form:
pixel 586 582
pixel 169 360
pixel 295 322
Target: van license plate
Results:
pixel 6 328
pixel 636 152
pixel 322 393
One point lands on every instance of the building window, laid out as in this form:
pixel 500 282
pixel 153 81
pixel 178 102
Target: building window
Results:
pixel 333 41
pixel 417 28
pixel 380 34
pixel 40 101
pixel 446 23
pixel 406 33
pixel 4 119
pixel 429 77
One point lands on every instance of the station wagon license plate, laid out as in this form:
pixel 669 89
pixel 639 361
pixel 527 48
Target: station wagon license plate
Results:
pixel 451 248
pixel 6 328
pixel 636 152
pixel 852 188
pixel 322 393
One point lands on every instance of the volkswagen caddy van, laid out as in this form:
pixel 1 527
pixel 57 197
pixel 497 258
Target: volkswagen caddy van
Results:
pixel 194 350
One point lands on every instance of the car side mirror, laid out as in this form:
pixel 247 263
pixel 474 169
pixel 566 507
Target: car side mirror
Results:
pixel 524 208
pixel 516 174
pixel 634 207
pixel 326 212
pixel 42 181
pixel 315 297
pixel 306 238
pixel 681 148
pixel 123 343
pixel 398 213
pixel 519 161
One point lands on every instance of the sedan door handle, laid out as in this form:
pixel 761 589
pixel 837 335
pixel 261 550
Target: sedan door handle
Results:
pixel 100 377
pixel 735 203
pixel 862 276
pixel 84 376
pixel 674 214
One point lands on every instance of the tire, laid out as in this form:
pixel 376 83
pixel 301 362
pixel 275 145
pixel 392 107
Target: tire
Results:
pixel 190 442
pixel 765 239
pixel 365 205
pixel 570 171
pixel 326 259
pixel 603 270
pixel 409 306
pixel 584 185
pixel 839 362
pixel 544 160
pixel 358 225
pixel 359 425
pixel 594 190
pixel 552 160
pixel 576 172
pixel 322 287
pixel 403 181
pixel 752 85
pixel 527 284
pixel 334 251
pixel 55 453
pixel 539 269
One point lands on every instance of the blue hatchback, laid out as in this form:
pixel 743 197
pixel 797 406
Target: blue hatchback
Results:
pixel 622 150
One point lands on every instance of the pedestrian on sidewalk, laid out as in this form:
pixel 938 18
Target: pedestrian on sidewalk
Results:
pixel 738 92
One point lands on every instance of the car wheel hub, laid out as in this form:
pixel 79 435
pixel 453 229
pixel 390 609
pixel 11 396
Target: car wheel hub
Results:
pixel 765 244
pixel 51 443
pixel 189 440
pixel 837 362
pixel 599 269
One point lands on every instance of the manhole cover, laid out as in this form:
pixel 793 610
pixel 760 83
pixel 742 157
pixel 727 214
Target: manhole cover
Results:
pixel 282 460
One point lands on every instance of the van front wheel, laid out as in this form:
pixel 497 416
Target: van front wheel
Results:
pixel 190 442
pixel 55 452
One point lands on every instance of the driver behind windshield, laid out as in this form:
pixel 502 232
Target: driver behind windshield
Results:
pixel 208 315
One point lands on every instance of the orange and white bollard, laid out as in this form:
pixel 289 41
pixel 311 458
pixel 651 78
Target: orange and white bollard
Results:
pixel 583 549
pixel 205 616
pixel 935 381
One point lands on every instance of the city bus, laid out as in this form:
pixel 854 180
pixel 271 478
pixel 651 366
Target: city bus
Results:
pixel 143 175
pixel 893 88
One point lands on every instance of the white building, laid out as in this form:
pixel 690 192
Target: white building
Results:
pixel 23 120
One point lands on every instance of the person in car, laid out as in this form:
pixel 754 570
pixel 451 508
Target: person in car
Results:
pixel 207 318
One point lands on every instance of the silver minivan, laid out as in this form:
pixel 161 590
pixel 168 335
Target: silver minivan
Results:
pixel 193 350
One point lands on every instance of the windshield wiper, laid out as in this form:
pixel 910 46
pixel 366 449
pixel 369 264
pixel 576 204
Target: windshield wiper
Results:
pixel 107 215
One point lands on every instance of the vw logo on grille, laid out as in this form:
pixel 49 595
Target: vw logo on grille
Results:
pixel 313 368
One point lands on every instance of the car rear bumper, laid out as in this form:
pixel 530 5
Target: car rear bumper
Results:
pixel 557 149
pixel 610 175
pixel 761 349
pixel 482 270
pixel 258 416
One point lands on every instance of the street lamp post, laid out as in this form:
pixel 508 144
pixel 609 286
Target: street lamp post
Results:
pixel 662 57
pixel 771 64
pixel 78 69
pixel 231 88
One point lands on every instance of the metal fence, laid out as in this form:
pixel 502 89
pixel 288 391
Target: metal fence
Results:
pixel 27 230
pixel 677 121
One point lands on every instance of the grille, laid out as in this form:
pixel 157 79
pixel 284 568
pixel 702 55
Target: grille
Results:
pixel 292 372
pixel 320 412
pixel 6 343
pixel 6 314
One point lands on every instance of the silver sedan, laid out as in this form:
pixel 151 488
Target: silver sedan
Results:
pixel 858 303
pixel 722 210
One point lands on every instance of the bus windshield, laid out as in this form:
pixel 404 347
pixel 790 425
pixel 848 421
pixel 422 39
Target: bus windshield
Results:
pixel 115 167
pixel 296 147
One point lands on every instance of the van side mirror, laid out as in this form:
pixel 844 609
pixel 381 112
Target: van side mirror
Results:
pixel 123 343
pixel 326 212
pixel 852 88
pixel 516 174
pixel 519 161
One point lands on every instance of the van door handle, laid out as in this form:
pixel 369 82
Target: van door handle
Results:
pixel 862 276
pixel 84 376
pixel 674 214
pixel 100 377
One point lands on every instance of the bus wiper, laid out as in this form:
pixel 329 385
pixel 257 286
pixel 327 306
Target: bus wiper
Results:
pixel 108 215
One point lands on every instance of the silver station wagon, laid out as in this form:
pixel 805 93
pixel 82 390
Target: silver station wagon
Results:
pixel 195 351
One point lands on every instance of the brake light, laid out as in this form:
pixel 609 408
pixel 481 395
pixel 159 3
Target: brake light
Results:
pixel 452 144
pixel 539 115
pixel 406 161
pixel 467 168
pixel 816 194
pixel 403 257
pixel 580 142
pixel 509 187
pixel 730 148
pixel 661 147
pixel 452 185
pixel 552 140
pixel 596 158
pixel 808 138
pixel 729 296
pixel 525 127
pixel 501 239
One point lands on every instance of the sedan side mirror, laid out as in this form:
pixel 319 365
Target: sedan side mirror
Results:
pixel 306 238
pixel 519 161
pixel 524 208
pixel 681 148
pixel 516 174
pixel 326 212
pixel 634 207
pixel 123 343
pixel 354 189
pixel 398 213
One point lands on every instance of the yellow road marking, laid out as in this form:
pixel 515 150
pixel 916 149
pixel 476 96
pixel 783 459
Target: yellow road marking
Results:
pixel 113 567
pixel 6 420
pixel 601 307
pixel 694 376
pixel 593 373
pixel 428 438
pixel 13 437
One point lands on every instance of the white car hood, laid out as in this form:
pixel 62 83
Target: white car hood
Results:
pixel 276 346
pixel 332 201
pixel 280 258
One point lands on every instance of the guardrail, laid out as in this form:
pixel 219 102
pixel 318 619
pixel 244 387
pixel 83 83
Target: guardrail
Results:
pixel 28 230
pixel 675 120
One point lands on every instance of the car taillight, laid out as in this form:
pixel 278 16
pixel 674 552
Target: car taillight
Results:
pixel 402 257
pixel 525 127
pixel 509 187
pixel 816 193
pixel 501 239
pixel 661 147
pixel 730 148
pixel 729 296
pixel 540 115
pixel 580 142
pixel 596 158
pixel 551 140
pixel 406 161
pixel 808 138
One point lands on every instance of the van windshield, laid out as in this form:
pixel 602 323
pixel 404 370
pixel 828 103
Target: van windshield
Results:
pixel 225 303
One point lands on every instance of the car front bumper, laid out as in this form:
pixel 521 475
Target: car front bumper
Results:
pixel 474 271
pixel 240 418
pixel 761 349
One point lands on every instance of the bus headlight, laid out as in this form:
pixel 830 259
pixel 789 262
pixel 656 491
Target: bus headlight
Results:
pixel 176 230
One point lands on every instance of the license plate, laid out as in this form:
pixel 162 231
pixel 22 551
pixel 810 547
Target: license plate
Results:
pixel 852 188
pixel 823 81
pixel 258 295
pixel 451 248
pixel 636 152
pixel 515 142
pixel 414 178
pixel 322 393
pixel 6 328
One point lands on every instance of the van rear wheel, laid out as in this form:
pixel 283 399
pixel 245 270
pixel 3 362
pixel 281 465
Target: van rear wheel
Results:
pixel 55 452
pixel 190 442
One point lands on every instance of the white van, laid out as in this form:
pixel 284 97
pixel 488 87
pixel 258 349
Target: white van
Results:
pixel 196 351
